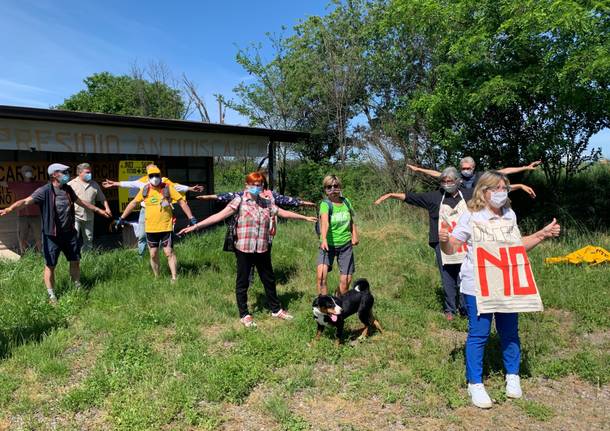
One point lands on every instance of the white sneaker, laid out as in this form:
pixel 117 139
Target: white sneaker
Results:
pixel 282 314
pixel 478 395
pixel 248 321
pixel 513 386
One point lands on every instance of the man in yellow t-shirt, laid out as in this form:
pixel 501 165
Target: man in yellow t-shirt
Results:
pixel 137 185
pixel 158 197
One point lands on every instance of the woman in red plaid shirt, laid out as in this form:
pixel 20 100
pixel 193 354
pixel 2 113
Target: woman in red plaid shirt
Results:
pixel 253 232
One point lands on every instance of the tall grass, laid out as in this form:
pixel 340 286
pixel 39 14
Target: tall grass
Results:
pixel 132 352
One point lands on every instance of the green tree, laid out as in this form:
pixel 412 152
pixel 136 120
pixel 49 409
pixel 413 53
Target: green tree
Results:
pixel 127 95
pixel 522 80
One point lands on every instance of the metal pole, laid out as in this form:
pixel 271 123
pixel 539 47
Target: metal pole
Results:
pixel 271 164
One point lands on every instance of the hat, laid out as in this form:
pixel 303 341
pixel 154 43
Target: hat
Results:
pixel 56 167
pixel 152 169
pixel 26 168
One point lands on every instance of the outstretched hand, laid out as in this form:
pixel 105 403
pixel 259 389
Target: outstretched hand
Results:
pixel 413 168
pixel 530 191
pixel 553 229
pixel 196 188
pixel 382 198
pixel 311 219
pixel 534 165
pixel 3 212
pixel 187 230
pixel 109 183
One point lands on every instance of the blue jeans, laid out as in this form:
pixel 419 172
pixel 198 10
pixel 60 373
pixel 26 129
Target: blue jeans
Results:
pixel 141 233
pixel 507 325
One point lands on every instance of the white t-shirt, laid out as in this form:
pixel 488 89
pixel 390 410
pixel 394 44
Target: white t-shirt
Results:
pixel 463 232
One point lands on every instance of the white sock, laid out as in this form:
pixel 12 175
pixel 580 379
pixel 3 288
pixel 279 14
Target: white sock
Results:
pixel 51 293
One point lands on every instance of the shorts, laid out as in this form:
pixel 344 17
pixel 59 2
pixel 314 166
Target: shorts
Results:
pixel 66 243
pixel 344 255
pixel 159 239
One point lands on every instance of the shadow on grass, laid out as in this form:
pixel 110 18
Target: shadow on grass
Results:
pixel 285 298
pixel 283 274
pixel 192 268
pixel 11 338
pixel 492 359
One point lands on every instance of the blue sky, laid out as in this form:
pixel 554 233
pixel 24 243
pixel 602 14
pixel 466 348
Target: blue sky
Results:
pixel 48 47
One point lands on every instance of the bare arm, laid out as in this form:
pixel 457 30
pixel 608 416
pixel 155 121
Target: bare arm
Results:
pixel 129 208
pixel 16 205
pixel 355 239
pixel 430 172
pixel 211 220
pixel 207 197
pixel 185 207
pixel 294 216
pixel 532 166
pixel 553 229
pixel 324 231
pixel 527 189
pixel 93 208
pixel 399 196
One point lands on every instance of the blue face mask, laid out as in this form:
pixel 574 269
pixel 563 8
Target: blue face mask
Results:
pixel 254 190
pixel 64 179
pixel 87 177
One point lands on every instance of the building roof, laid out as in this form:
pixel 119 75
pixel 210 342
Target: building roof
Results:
pixel 23 113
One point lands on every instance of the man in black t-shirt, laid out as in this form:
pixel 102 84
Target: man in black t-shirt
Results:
pixel 56 201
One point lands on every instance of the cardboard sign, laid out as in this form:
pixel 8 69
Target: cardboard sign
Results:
pixel 503 275
pixel 130 170
pixel 447 219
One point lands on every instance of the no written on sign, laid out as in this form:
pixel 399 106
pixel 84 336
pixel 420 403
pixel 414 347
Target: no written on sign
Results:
pixel 503 275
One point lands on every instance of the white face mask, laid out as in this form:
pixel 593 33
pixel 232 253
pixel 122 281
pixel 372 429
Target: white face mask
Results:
pixel 28 175
pixel 467 173
pixel 154 181
pixel 498 199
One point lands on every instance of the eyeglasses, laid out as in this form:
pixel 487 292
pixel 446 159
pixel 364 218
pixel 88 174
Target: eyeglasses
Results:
pixel 333 186
pixel 154 176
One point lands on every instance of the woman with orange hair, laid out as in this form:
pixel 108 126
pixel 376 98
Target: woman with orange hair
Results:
pixel 253 234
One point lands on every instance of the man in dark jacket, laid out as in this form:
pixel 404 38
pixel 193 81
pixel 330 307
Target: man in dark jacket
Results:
pixel 56 201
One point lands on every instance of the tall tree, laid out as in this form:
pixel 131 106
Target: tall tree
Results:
pixel 522 80
pixel 128 95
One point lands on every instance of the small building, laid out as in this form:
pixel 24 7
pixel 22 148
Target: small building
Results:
pixel 184 150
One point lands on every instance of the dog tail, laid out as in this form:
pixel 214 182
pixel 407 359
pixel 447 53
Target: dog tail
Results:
pixel 361 285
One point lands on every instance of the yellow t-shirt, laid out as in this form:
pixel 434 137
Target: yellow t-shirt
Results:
pixel 159 212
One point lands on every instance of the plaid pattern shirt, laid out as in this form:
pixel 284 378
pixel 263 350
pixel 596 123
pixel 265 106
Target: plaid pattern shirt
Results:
pixel 254 222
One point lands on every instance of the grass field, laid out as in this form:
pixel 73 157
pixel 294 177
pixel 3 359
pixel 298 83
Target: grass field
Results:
pixel 132 352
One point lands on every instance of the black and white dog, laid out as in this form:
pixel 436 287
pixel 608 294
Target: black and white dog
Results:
pixel 332 311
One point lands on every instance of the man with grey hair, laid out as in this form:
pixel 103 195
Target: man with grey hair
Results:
pixel 470 177
pixel 88 191
pixel 445 206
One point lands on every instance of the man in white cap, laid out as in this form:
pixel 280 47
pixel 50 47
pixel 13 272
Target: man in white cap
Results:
pixel 56 201
pixel 89 191
pixel 28 226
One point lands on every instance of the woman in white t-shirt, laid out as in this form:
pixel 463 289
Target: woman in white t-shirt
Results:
pixel 490 207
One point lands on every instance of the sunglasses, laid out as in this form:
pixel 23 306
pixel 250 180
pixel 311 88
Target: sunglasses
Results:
pixel 154 176
pixel 333 186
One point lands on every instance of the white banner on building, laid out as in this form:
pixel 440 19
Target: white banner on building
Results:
pixel 29 135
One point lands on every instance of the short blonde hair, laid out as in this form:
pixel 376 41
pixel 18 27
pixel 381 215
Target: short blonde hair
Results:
pixel 329 179
pixel 488 180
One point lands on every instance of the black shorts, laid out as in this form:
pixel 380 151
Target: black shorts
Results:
pixel 66 243
pixel 159 239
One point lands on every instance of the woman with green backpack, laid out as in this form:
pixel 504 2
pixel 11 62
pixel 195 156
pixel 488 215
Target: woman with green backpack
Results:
pixel 338 235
